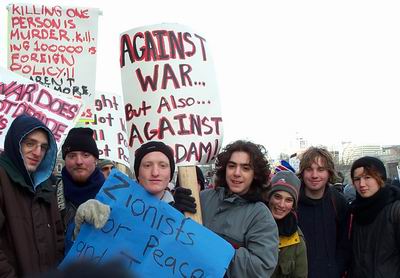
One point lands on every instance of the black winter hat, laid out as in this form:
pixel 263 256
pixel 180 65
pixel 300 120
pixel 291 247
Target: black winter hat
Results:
pixel 370 162
pixel 154 146
pixel 80 139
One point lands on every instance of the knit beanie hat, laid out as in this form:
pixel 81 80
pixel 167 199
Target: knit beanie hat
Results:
pixel 80 139
pixel 154 146
pixel 286 181
pixel 370 162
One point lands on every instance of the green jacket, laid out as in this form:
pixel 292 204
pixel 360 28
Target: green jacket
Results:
pixel 292 262
pixel 248 226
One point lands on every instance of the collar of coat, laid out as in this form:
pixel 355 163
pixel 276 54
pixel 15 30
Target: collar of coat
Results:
pixel 44 191
pixel 285 241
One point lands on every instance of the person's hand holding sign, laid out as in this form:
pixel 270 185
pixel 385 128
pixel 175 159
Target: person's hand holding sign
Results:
pixel 92 212
pixel 184 202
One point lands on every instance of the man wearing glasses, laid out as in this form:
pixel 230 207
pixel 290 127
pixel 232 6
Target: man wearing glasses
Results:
pixel 31 231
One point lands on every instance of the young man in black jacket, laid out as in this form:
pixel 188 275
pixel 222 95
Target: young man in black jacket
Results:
pixel 31 231
pixel 323 216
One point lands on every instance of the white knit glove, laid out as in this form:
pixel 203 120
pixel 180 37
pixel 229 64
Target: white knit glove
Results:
pixel 93 212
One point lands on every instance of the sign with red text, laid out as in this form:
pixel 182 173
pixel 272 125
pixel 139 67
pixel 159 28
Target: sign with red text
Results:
pixel 19 95
pixel 55 47
pixel 170 92
pixel 109 127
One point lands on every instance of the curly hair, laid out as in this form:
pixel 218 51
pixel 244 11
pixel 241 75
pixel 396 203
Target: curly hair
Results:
pixel 311 155
pixel 258 162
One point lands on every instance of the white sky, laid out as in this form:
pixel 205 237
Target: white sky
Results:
pixel 327 70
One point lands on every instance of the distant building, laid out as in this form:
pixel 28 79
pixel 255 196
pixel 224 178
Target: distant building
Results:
pixel 352 152
pixel 390 155
pixel 368 150
pixel 335 156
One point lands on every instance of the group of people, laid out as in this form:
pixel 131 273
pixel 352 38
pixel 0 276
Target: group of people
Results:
pixel 336 238
pixel 282 225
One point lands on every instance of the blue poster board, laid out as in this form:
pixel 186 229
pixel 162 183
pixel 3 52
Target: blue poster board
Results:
pixel 151 237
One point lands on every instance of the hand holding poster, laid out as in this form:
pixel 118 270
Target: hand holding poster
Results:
pixel 19 95
pixel 170 92
pixel 150 236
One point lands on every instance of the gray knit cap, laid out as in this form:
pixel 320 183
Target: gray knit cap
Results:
pixel 286 181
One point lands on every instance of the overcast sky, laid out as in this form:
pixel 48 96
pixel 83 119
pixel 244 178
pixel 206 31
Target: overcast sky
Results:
pixel 328 71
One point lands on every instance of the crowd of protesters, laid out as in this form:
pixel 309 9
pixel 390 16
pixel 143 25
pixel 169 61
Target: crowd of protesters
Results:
pixel 281 223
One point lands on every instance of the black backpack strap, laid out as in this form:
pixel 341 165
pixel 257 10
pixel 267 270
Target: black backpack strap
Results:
pixel 60 195
pixel 66 209
pixel 343 210
pixel 339 204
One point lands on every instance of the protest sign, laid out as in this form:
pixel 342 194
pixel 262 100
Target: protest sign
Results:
pixel 170 92
pixel 109 127
pixel 54 46
pixel 150 236
pixel 19 95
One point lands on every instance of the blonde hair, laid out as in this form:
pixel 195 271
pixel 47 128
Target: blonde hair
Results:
pixel 311 155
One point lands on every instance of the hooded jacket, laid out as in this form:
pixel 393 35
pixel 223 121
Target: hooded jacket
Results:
pixel 31 231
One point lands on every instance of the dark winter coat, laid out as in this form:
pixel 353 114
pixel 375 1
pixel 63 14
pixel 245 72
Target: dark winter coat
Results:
pixel 31 231
pixel 376 235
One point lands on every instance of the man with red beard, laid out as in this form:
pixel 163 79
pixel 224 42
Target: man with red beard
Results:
pixel 81 180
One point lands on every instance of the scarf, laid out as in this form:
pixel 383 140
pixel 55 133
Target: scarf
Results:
pixel 80 193
pixel 287 226
pixel 365 210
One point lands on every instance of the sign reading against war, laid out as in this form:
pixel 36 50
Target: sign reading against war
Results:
pixel 54 46
pixel 149 236
pixel 170 92
pixel 19 95
pixel 109 127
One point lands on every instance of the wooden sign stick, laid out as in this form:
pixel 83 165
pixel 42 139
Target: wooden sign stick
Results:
pixel 188 179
